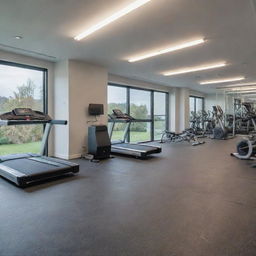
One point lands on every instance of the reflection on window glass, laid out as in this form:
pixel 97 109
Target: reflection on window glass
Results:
pixel 196 104
pixel 118 132
pixel 140 104
pixel 117 99
pixel 199 104
pixel 159 114
pixel 20 88
pixel 191 104
pixel 140 131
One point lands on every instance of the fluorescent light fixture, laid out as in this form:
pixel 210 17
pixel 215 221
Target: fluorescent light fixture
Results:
pixel 242 89
pixel 223 80
pixel 112 18
pixel 194 69
pixel 167 50
pixel 241 92
pixel 237 85
pixel 250 94
pixel 236 89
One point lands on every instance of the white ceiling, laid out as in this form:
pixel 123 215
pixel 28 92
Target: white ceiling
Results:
pixel 48 28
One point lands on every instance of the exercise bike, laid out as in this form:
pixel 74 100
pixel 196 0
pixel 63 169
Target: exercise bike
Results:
pixel 219 132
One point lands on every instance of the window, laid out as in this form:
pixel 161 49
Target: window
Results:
pixel 148 107
pixel 117 99
pixel 21 86
pixel 160 114
pixel 140 109
pixel 196 104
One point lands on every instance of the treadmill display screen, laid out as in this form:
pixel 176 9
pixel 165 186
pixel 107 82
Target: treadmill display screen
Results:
pixel 23 112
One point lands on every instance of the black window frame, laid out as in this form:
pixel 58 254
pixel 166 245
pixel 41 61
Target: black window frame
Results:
pixel 45 79
pixel 45 84
pixel 197 97
pixel 151 120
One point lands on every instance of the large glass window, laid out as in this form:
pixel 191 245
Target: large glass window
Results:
pixel 21 87
pixel 140 109
pixel 117 99
pixel 160 114
pixel 149 121
pixel 140 104
pixel 196 106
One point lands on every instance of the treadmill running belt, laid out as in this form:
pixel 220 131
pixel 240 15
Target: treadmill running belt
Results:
pixel 30 167
pixel 134 146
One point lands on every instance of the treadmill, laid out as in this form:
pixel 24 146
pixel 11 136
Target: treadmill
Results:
pixel 129 149
pixel 25 169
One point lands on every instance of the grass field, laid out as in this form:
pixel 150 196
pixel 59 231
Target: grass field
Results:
pixel 32 147
pixel 136 136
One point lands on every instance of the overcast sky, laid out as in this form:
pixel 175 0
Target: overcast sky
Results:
pixel 12 77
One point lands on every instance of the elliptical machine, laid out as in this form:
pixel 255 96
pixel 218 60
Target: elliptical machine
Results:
pixel 219 132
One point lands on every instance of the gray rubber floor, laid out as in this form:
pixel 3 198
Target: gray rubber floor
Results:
pixel 187 201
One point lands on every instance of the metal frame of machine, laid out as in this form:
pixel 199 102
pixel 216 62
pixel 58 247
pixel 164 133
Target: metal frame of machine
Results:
pixel 121 147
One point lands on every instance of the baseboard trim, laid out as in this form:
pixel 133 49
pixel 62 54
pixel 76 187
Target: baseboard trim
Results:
pixel 74 156
pixel 69 157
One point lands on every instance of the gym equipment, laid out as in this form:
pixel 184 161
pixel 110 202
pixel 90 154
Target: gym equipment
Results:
pixel 25 169
pixel 220 132
pixel 121 147
pixel 187 135
pixel 243 119
pixel 246 149
pixel 99 144
pixel 201 122
pixel 249 117
pixel 208 122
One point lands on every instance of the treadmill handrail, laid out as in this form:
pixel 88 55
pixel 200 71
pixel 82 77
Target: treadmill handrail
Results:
pixel 31 122
pixel 121 120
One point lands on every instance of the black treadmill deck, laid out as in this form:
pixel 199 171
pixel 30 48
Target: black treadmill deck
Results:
pixel 26 170
pixel 138 150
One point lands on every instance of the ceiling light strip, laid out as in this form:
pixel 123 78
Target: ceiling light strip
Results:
pixel 112 18
pixel 227 80
pixel 167 50
pixel 237 85
pixel 194 69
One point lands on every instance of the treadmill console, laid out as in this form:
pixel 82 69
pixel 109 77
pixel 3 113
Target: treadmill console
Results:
pixel 23 112
pixel 117 113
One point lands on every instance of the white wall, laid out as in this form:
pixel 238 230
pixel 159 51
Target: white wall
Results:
pixel 196 93
pixel 185 114
pixel 132 82
pixel 87 84
pixel 77 84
